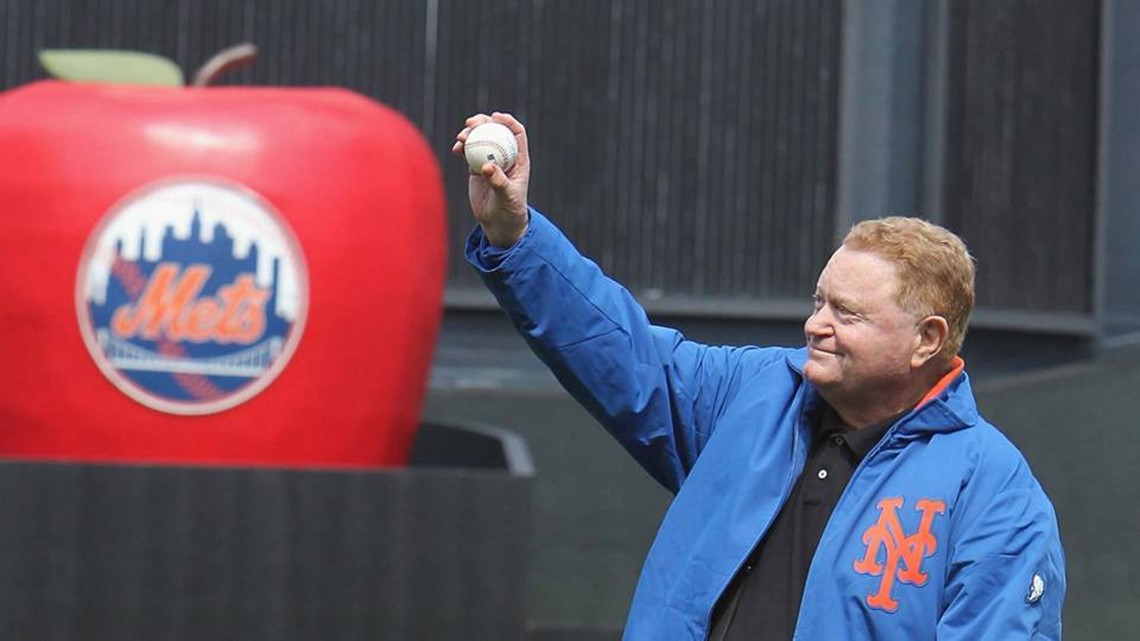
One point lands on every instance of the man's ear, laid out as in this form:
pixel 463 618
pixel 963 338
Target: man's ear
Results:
pixel 932 333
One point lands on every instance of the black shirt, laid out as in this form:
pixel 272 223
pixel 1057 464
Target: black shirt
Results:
pixel 763 600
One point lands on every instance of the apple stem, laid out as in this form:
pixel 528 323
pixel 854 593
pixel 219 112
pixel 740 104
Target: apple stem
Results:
pixel 224 62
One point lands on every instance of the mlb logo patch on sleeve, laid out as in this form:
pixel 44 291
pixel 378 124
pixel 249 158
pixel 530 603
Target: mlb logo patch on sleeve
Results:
pixel 1036 589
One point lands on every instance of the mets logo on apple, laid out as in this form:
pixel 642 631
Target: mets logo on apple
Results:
pixel 192 295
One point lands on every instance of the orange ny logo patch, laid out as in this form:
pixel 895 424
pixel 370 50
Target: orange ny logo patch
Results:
pixel 903 554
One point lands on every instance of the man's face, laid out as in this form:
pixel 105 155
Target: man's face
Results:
pixel 860 342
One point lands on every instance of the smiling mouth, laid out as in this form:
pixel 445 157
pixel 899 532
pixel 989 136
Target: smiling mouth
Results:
pixel 812 348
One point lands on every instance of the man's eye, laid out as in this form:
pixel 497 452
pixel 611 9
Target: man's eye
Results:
pixel 816 302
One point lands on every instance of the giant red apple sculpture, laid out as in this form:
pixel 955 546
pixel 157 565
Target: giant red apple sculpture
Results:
pixel 231 275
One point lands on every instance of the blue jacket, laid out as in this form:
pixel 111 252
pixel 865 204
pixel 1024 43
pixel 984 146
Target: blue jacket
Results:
pixel 942 533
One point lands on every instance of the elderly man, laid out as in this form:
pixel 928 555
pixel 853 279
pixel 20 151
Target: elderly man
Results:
pixel 848 489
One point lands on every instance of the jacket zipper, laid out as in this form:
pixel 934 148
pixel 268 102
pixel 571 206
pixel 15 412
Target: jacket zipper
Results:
pixel 788 483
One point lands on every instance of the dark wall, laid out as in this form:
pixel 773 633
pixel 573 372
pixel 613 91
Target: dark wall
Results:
pixel 1076 428
pixel 123 552
pixel 690 147
pixel 1021 149
pixel 687 146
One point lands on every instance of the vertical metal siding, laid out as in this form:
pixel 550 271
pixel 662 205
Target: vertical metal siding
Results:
pixel 1021 149
pixel 689 147
pixel 376 48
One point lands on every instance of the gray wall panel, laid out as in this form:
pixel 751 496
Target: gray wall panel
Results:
pixel 1021 149
pixel 1120 191
pixel 688 147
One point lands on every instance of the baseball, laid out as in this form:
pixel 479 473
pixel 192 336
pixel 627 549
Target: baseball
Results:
pixel 490 142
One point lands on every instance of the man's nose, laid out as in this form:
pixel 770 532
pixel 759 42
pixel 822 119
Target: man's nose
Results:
pixel 817 324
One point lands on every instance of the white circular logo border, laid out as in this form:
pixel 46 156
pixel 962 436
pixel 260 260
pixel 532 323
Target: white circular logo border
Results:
pixel 134 391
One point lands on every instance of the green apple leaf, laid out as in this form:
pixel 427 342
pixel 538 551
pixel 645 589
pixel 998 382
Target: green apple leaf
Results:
pixel 111 67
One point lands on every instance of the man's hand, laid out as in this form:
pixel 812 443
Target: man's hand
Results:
pixel 498 198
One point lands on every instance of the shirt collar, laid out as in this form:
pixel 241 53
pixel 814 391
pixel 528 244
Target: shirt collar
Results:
pixel 860 441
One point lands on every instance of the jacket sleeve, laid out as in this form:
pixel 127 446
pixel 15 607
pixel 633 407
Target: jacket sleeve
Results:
pixel 1006 578
pixel 655 392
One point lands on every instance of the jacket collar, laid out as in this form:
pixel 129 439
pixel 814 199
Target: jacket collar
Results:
pixel 948 406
